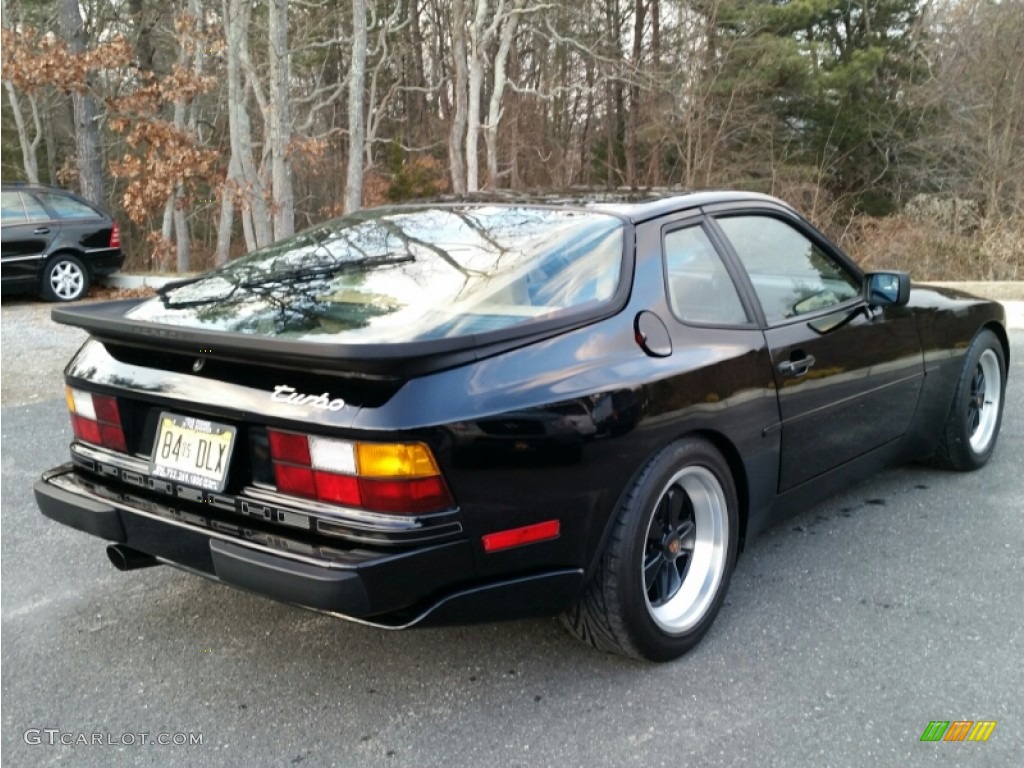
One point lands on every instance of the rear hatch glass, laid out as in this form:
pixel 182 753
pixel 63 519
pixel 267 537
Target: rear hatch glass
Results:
pixel 405 275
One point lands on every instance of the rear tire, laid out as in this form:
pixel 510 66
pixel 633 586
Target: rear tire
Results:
pixel 65 278
pixel 666 568
pixel 972 426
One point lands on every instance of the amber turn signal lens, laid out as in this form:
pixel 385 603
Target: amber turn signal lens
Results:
pixel 396 460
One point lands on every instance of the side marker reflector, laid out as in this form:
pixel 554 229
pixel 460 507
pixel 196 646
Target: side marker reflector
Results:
pixel 515 537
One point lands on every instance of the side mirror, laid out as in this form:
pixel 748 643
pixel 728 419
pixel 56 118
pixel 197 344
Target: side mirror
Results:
pixel 887 289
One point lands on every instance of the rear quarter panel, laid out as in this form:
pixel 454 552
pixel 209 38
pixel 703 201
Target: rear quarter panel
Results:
pixel 512 442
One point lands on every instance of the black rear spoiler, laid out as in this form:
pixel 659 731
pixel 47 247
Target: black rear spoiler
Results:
pixel 106 322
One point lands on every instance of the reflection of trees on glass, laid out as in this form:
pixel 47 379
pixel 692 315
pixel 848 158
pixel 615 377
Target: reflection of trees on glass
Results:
pixel 404 274
pixel 790 274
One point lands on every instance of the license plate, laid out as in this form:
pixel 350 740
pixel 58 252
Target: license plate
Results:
pixel 192 451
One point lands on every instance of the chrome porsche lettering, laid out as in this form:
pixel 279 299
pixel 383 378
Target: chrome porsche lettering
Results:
pixel 284 394
pixel 160 333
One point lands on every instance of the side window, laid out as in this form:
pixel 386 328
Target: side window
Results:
pixel 35 211
pixel 67 208
pixel 699 287
pixel 11 209
pixel 791 275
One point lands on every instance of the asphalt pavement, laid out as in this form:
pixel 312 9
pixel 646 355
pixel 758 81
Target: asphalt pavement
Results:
pixel 846 630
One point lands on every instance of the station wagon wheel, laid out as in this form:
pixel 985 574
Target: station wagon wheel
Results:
pixel 667 564
pixel 970 432
pixel 65 278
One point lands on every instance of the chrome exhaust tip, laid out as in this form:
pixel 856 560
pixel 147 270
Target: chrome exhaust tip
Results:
pixel 128 559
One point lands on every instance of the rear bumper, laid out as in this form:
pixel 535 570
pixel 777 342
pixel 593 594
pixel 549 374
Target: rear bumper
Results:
pixel 431 584
pixel 105 262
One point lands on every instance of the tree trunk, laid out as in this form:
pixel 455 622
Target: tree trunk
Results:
pixel 255 217
pixel 613 91
pixel 255 211
pixel 234 174
pixel 633 113
pixel 143 36
pixel 356 123
pixel 29 158
pixel 182 236
pixel 508 34
pixel 235 178
pixel 167 224
pixel 456 147
pixel 227 221
pixel 654 165
pixel 174 210
pixel 586 166
pixel 419 110
pixel 280 121
pixel 87 134
pixel 476 81
pixel 51 146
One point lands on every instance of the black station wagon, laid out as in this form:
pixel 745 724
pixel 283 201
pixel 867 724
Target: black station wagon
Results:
pixel 55 243
pixel 479 410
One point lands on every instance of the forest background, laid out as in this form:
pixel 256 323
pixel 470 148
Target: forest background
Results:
pixel 213 127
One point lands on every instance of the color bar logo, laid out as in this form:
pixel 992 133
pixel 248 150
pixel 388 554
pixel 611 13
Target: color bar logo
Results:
pixel 958 730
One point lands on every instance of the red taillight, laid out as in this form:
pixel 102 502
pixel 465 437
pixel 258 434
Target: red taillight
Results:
pixel 287 446
pixel 400 478
pixel 85 429
pixel 106 409
pixel 96 419
pixel 423 495
pixel 112 437
pixel 297 480
pixel 338 489
pixel 515 537
pixel 115 236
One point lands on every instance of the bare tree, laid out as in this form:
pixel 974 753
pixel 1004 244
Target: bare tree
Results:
pixel 500 81
pixel 459 84
pixel 635 103
pixel 243 181
pixel 973 142
pixel 87 135
pixel 473 39
pixel 280 120
pixel 144 48
pixel 189 57
pixel 29 146
pixel 356 122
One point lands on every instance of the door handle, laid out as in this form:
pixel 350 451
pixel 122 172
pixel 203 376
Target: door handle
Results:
pixel 41 231
pixel 797 367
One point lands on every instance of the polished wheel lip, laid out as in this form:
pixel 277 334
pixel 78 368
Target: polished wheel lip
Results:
pixel 704 567
pixel 984 399
pixel 66 280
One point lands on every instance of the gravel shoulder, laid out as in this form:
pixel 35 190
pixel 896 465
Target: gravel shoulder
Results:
pixel 33 352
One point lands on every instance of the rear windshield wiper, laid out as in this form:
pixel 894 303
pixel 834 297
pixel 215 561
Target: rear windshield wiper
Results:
pixel 271 279
pixel 302 275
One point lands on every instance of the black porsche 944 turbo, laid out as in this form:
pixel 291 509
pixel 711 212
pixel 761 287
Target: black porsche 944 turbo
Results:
pixel 469 411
